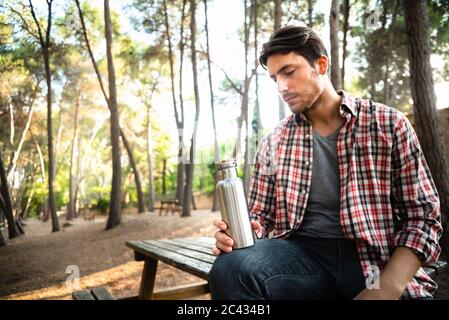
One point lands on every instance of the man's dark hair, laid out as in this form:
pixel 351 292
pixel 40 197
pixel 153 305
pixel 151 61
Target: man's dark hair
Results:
pixel 302 40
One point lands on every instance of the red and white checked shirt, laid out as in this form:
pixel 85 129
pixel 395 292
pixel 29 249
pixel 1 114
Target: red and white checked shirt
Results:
pixel 388 197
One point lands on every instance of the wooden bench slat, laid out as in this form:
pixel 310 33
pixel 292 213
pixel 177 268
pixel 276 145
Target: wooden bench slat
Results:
pixel 439 266
pixel 102 293
pixel 187 252
pixel 194 266
pixel 189 246
pixel 207 243
pixel 82 295
pixel 182 292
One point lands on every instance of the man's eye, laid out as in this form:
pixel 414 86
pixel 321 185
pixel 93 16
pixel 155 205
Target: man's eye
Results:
pixel 289 73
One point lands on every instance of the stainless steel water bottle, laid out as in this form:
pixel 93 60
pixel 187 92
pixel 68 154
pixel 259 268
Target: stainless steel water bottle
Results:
pixel 233 205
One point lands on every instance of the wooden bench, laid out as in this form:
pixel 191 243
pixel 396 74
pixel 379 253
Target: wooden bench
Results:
pixel 99 293
pixel 170 205
pixel 194 256
pixel 436 268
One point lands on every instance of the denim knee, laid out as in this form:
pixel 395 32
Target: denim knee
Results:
pixel 233 277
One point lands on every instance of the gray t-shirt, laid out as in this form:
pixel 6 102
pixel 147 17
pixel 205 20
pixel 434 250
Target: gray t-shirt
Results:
pixel 322 215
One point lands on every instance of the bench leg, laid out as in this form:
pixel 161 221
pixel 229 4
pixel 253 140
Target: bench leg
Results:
pixel 148 278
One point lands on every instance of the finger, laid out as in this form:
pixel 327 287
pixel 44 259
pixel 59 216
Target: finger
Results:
pixel 219 223
pixel 223 247
pixel 222 237
pixel 256 225
pixel 216 251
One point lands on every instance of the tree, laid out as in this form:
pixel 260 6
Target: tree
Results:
pixel 277 25
pixel 71 207
pixel 140 198
pixel 334 29
pixel 114 217
pixel 346 8
pixel 190 167
pixel 424 103
pixel 6 202
pixel 211 93
pixel 45 44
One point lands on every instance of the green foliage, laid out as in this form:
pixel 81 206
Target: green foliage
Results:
pixel 102 205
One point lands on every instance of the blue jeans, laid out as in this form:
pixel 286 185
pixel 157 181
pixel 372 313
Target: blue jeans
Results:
pixel 299 267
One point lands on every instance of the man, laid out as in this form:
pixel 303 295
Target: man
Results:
pixel 341 196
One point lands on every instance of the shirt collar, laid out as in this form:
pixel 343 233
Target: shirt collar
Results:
pixel 348 106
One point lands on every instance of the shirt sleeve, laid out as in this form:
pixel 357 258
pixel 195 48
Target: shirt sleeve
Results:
pixel 415 197
pixel 262 198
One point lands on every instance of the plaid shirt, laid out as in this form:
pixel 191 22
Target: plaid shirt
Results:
pixel 388 197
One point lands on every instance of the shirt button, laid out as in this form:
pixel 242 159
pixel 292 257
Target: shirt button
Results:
pixel 303 191
pixel 307 163
pixel 307 136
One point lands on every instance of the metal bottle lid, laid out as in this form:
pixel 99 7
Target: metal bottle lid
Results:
pixel 225 164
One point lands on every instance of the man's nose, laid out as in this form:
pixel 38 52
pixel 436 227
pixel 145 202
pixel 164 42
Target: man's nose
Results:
pixel 282 86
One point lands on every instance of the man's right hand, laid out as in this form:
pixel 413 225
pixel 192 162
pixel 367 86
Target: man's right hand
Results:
pixel 225 242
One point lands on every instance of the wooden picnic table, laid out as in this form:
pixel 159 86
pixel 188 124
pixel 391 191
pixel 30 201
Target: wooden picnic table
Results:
pixel 170 205
pixel 192 255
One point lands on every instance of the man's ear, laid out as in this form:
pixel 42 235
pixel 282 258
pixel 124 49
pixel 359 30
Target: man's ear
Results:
pixel 322 64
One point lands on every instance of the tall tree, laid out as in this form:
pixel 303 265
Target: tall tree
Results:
pixel 334 29
pixel 310 13
pixel 179 115
pixel 6 202
pixel 346 8
pixel 190 167
pixel 387 82
pixel 71 207
pixel 277 25
pixel 211 93
pixel 257 116
pixel 140 197
pixel 245 100
pixel 424 103
pixel 180 123
pixel 45 44
pixel 114 217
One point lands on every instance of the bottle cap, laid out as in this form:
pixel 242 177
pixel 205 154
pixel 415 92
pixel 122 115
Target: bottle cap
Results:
pixel 225 164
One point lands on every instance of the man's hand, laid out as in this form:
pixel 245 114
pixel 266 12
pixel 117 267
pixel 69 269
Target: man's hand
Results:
pixel 398 272
pixel 225 242
pixel 378 294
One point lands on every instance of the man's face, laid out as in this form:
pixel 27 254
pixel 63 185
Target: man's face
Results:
pixel 299 84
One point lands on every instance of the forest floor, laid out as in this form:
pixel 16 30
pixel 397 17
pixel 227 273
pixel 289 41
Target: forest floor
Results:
pixel 34 266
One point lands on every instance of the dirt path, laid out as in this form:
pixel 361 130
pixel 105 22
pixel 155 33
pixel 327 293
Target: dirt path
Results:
pixel 34 266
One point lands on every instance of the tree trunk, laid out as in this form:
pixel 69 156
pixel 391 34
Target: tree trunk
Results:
pixel 257 115
pixel 424 104
pixel 44 216
pixel 2 240
pixel 387 93
pixel 179 117
pixel 151 199
pixel 245 100
pixel 190 168
pixel 6 202
pixel 71 205
pixel 277 25
pixel 15 157
pixel 45 46
pixel 132 162
pixel 211 93
pixel 334 28
pixel 310 13
pixel 116 196
pixel 164 171
pixel 345 41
